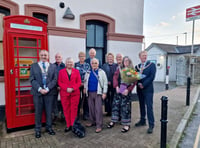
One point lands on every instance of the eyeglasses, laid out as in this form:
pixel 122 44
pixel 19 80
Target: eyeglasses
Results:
pixel 95 63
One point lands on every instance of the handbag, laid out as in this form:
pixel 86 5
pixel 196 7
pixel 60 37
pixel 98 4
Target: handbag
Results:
pixel 78 129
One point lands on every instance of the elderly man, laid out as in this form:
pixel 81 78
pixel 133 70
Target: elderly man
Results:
pixel 95 86
pixel 92 54
pixel 119 59
pixel 43 78
pixel 57 107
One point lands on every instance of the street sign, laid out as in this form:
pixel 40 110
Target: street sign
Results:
pixel 193 13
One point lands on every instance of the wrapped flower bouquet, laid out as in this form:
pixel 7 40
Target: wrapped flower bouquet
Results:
pixel 128 76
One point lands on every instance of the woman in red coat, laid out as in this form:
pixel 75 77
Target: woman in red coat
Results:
pixel 69 81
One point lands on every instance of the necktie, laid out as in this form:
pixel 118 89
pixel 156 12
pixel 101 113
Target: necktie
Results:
pixel 44 66
pixel 44 75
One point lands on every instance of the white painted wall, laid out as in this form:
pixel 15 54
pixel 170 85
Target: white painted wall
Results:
pixel 156 54
pixel 67 46
pixel 128 14
pixel 2 96
pixel 126 48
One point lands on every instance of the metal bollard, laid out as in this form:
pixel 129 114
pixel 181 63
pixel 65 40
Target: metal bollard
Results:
pixel 188 92
pixel 163 120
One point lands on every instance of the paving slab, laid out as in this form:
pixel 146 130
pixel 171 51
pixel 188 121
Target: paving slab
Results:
pixel 109 138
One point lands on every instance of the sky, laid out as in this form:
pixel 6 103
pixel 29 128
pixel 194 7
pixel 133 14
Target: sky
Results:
pixel 165 22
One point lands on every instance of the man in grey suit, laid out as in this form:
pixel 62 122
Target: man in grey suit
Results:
pixel 43 78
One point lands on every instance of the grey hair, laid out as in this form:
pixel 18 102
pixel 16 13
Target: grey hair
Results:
pixel 92 49
pixel 69 59
pixel 93 60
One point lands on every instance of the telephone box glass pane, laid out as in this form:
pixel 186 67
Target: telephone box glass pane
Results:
pixel 17 91
pixel 24 82
pixel 27 110
pixel 39 43
pixel 16 82
pixel 17 102
pixel 27 52
pixel 15 51
pixel 17 111
pixel 27 42
pixel 15 41
pixel 28 100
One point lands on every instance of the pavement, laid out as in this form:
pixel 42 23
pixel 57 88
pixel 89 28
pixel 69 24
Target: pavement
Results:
pixel 137 137
pixel 191 133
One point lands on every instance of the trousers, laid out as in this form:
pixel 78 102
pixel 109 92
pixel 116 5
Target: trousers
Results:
pixel 41 102
pixel 70 108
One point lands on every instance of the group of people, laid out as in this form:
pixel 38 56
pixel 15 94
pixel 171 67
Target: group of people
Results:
pixel 86 83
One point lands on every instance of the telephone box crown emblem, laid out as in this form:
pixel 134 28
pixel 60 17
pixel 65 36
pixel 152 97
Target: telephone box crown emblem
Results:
pixel 26 21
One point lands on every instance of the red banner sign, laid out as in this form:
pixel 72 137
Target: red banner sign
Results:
pixel 193 13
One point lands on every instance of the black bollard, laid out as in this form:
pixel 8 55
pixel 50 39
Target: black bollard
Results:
pixel 188 92
pixel 163 120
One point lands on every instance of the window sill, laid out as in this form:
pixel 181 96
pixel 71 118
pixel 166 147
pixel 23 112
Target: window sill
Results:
pixel 1 78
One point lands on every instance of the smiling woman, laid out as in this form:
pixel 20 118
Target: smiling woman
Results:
pixel 69 81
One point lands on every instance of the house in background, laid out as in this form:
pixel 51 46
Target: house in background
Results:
pixel 77 25
pixel 169 56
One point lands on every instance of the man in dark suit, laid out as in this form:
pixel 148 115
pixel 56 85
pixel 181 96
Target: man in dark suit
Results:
pixel 57 106
pixel 92 54
pixel 145 91
pixel 43 78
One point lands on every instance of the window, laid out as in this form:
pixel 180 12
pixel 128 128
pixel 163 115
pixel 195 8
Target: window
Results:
pixel 96 38
pixel 40 16
pixel 44 13
pixel 4 11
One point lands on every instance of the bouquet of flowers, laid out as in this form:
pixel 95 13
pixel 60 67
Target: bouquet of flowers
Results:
pixel 128 76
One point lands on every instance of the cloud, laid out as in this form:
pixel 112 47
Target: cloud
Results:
pixel 179 15
pixel 163 24
pixel 173 17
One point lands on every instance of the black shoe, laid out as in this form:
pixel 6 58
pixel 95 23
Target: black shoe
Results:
pixel 85 117
pixel 62 119
pixel 108 114
pixel 37 134
pixel 124 130
pixel 140 123
pixel 67 129
pixel 150 130
pixel 53 123
pixel 110 125
pixel 50 131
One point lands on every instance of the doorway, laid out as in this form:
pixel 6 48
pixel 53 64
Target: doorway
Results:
pixel 97 39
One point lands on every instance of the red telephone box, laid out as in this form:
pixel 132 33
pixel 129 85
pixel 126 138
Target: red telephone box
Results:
pixel 23 38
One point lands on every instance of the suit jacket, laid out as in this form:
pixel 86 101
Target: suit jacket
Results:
pixel 149 71
pixel 64 82
pixel 36 79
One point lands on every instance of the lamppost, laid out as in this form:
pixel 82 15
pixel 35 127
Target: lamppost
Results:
pixel 177 40
pixel 185 33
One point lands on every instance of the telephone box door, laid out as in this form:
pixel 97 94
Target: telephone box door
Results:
pixel 19 53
